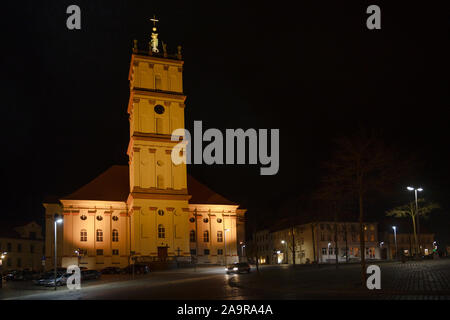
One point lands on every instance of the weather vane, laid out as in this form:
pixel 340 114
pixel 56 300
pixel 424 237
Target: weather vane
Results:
pixel 154 41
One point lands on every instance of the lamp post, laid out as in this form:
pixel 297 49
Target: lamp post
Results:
pixel 395 239
pixel 285 243
pixel 225 243
pixel 58 220
pixel 417 216
pixel 1 268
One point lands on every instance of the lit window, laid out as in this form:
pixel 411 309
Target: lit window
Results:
pixel 83 235
pixel 115 235
pixel 99 235
pixel 219 236
pixel 161 231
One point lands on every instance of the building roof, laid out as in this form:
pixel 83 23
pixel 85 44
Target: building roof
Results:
pixel 113 185
pixel 201 194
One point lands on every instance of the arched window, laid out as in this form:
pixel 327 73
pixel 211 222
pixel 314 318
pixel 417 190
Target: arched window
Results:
pixel 83 235
pixel 115 235
pixel 99 235
pixel 192 236
pixel 161 231
pixel 219 236
pixel 160 182
pixel 206 236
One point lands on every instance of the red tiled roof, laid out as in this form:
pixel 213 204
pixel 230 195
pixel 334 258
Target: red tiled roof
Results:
pixel 111 185
pixel 114 185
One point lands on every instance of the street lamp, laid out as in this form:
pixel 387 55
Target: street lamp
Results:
pixel 225 243
pixel 417 215
pixel 1 267
pixel 58 220
pixel 395 239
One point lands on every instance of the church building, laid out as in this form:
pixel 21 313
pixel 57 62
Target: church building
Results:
pixel 150 210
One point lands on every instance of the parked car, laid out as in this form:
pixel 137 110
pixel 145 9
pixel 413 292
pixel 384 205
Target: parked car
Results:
pixel 238 267
pixel 139 268
pixel 90 274
pixel 9 275
pixel 48 278
pixel 61 279
pixel 111 270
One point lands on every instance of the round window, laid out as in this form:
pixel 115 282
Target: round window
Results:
pixel 159 109
pixel 192 220
pixel 115 218
pixel 219 220
pixel 83 217
pixel 161 212
pixel 205 220
pixel 99 218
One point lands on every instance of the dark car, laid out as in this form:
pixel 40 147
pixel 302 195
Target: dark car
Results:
pixel 10 275
pixel 139 268
pixel 238 267
pixel 90 274
pixel 111 270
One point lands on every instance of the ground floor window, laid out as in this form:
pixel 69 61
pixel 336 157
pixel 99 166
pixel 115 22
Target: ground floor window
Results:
pixel 115 252
pixel 99 252
pixel 219 252
pixel 193 252
pixel 206 252
pixel 324 251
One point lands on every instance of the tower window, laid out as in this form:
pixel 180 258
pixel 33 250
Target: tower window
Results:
pixel 159 126
pixel 158 82
pixel 160 182
pixel 83 235
pixel 159 109
pixel 161 231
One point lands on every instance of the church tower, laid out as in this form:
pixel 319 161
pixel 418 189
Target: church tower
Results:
pixel 158 199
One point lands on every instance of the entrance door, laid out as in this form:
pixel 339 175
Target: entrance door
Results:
pixel 162 253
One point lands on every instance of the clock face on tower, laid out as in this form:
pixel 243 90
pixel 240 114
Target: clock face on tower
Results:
pixel 159 109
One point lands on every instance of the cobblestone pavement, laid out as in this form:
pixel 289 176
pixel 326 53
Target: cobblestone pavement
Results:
pixel 415 280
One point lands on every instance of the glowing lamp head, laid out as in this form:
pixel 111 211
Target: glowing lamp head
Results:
pixel 283 242
pixel 394 227
pixel 420 189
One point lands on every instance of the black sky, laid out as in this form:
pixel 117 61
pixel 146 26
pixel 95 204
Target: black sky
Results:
pixel 311 69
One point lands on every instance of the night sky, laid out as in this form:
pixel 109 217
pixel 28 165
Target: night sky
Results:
pixel 312 70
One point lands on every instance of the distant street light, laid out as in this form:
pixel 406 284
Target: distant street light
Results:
pixel 58 220
pixel 395 239
pixel 417 217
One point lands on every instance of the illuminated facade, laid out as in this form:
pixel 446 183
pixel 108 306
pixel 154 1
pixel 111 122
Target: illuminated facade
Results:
pixel 315 242
pixel 150 210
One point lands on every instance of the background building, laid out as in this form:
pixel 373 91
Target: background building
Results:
pixel 24 245
pixel 315 242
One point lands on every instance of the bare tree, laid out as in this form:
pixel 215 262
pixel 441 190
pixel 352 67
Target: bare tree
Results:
pixel 409 210
pixel 361 165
